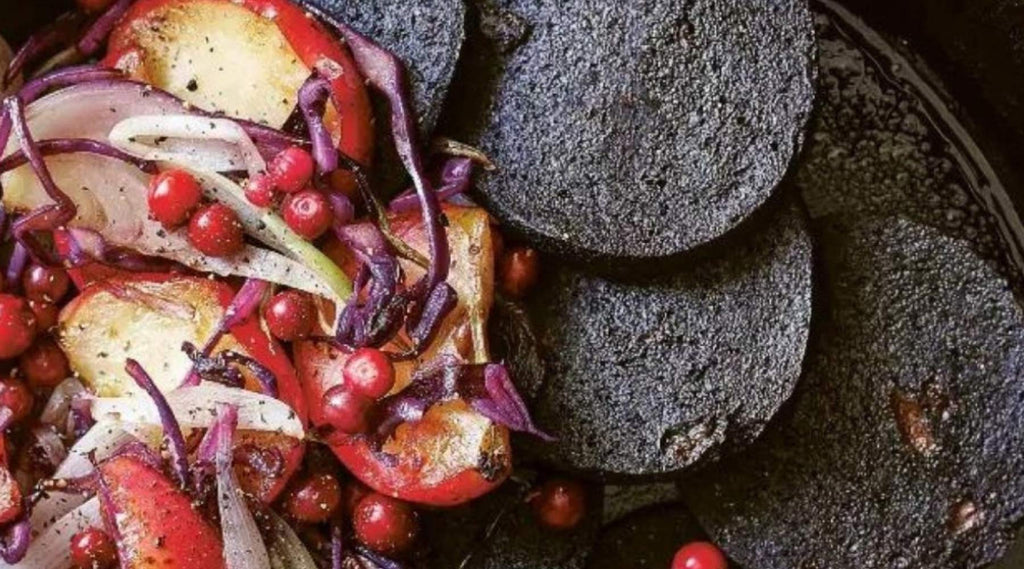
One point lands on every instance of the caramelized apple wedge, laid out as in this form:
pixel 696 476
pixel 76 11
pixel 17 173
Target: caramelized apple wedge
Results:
pixel 147 318
pixel 453 454
pixel 246 58
pixel 155 522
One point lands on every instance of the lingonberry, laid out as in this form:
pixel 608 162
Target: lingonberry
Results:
pixel 216 231
pixel 369 371
pixel 45 284
pixel 44 364
pixel 93 548
pixel 313 499
pixel 290 315
pixel 518 271
pixel 15 396
pixel 384 524
pixel 260 191
pixel 291 169
pixel 46 314
pixel 346 410
pixel 559 504
pixel 307 213
pixel 699 555
pixel 17 326
pixel 173 196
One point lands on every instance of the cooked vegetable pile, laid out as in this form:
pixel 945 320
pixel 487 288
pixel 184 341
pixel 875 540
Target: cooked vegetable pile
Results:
pixel 203 293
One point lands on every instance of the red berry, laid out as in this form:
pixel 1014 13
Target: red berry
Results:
pixel 46 314
pixel 93 548
pixel 44 364
pixel 45 284
pixel 308 213
pixel 314 499
pixel 346 410
pixel 291 169
pixel 260 191
pixel 17 326
pixel 290 315
pixel 559 504
pixel 369 371
pixel 518 271
pixel 216 231
pixel 699 555
pixel 384 524
pixel 173 195
pixel 15 396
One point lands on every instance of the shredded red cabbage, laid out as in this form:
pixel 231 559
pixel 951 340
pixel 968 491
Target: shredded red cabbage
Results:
pixel 486 387
pixel 337 547
pixel 172 431
pixel 218 368
pixel 15 539
pixel 379 561
pixel 16 265
pixel 77 247
pixel 65 78
pixel 455 176
pixel 45 41
pixel 385 72
pixel 313 97
pixel 96 35
pixel 242 307
pixel 76 146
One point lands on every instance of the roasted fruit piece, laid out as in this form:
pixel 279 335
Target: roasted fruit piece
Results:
pixel 155 522
pixel 453 454
pixel 147 318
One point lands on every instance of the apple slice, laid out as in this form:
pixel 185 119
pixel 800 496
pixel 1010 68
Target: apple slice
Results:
pixel 246 58
pixel 156 522
pixel 453 454
pixel 147 318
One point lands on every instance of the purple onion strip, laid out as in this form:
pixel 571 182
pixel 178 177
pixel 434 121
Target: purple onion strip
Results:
pixel 42 42
pixel 15 540
pixel 243 305
pixel 378 560
pixel 110 513
pixel 337 546
pixel 385 72
pixel 96 35
pixel 172 431
pixel 64 78
pixel 313 97
pixel 267 379
pixel 502 403
pixel 76 146
pixel 16 265
pixel 456 175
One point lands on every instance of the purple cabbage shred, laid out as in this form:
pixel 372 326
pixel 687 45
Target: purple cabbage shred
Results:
pixel 172 430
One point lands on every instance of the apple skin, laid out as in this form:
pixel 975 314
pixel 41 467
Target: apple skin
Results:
pixel 454 454
pixel 205 300
pixel 158 525
pixel 351 117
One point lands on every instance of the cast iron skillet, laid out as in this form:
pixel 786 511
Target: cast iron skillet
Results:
pixel 975 46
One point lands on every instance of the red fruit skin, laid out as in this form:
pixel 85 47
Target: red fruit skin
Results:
pixel 93 6
pixel 173 196
pixel 291 169
pixel 156 522
pixel 307 213
pixel 17 326
pixel 44 364
pixel 15 396
pixel 369 371
pixel 93 548
pixel 699 555
pixel 314 499
pixel 384 524
pixel 559 504
pixel 259 190
pixel 216 231
pixel 312 43
pixel 46 314
pixel 346 410
pixel 45 284
pixel 290 315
